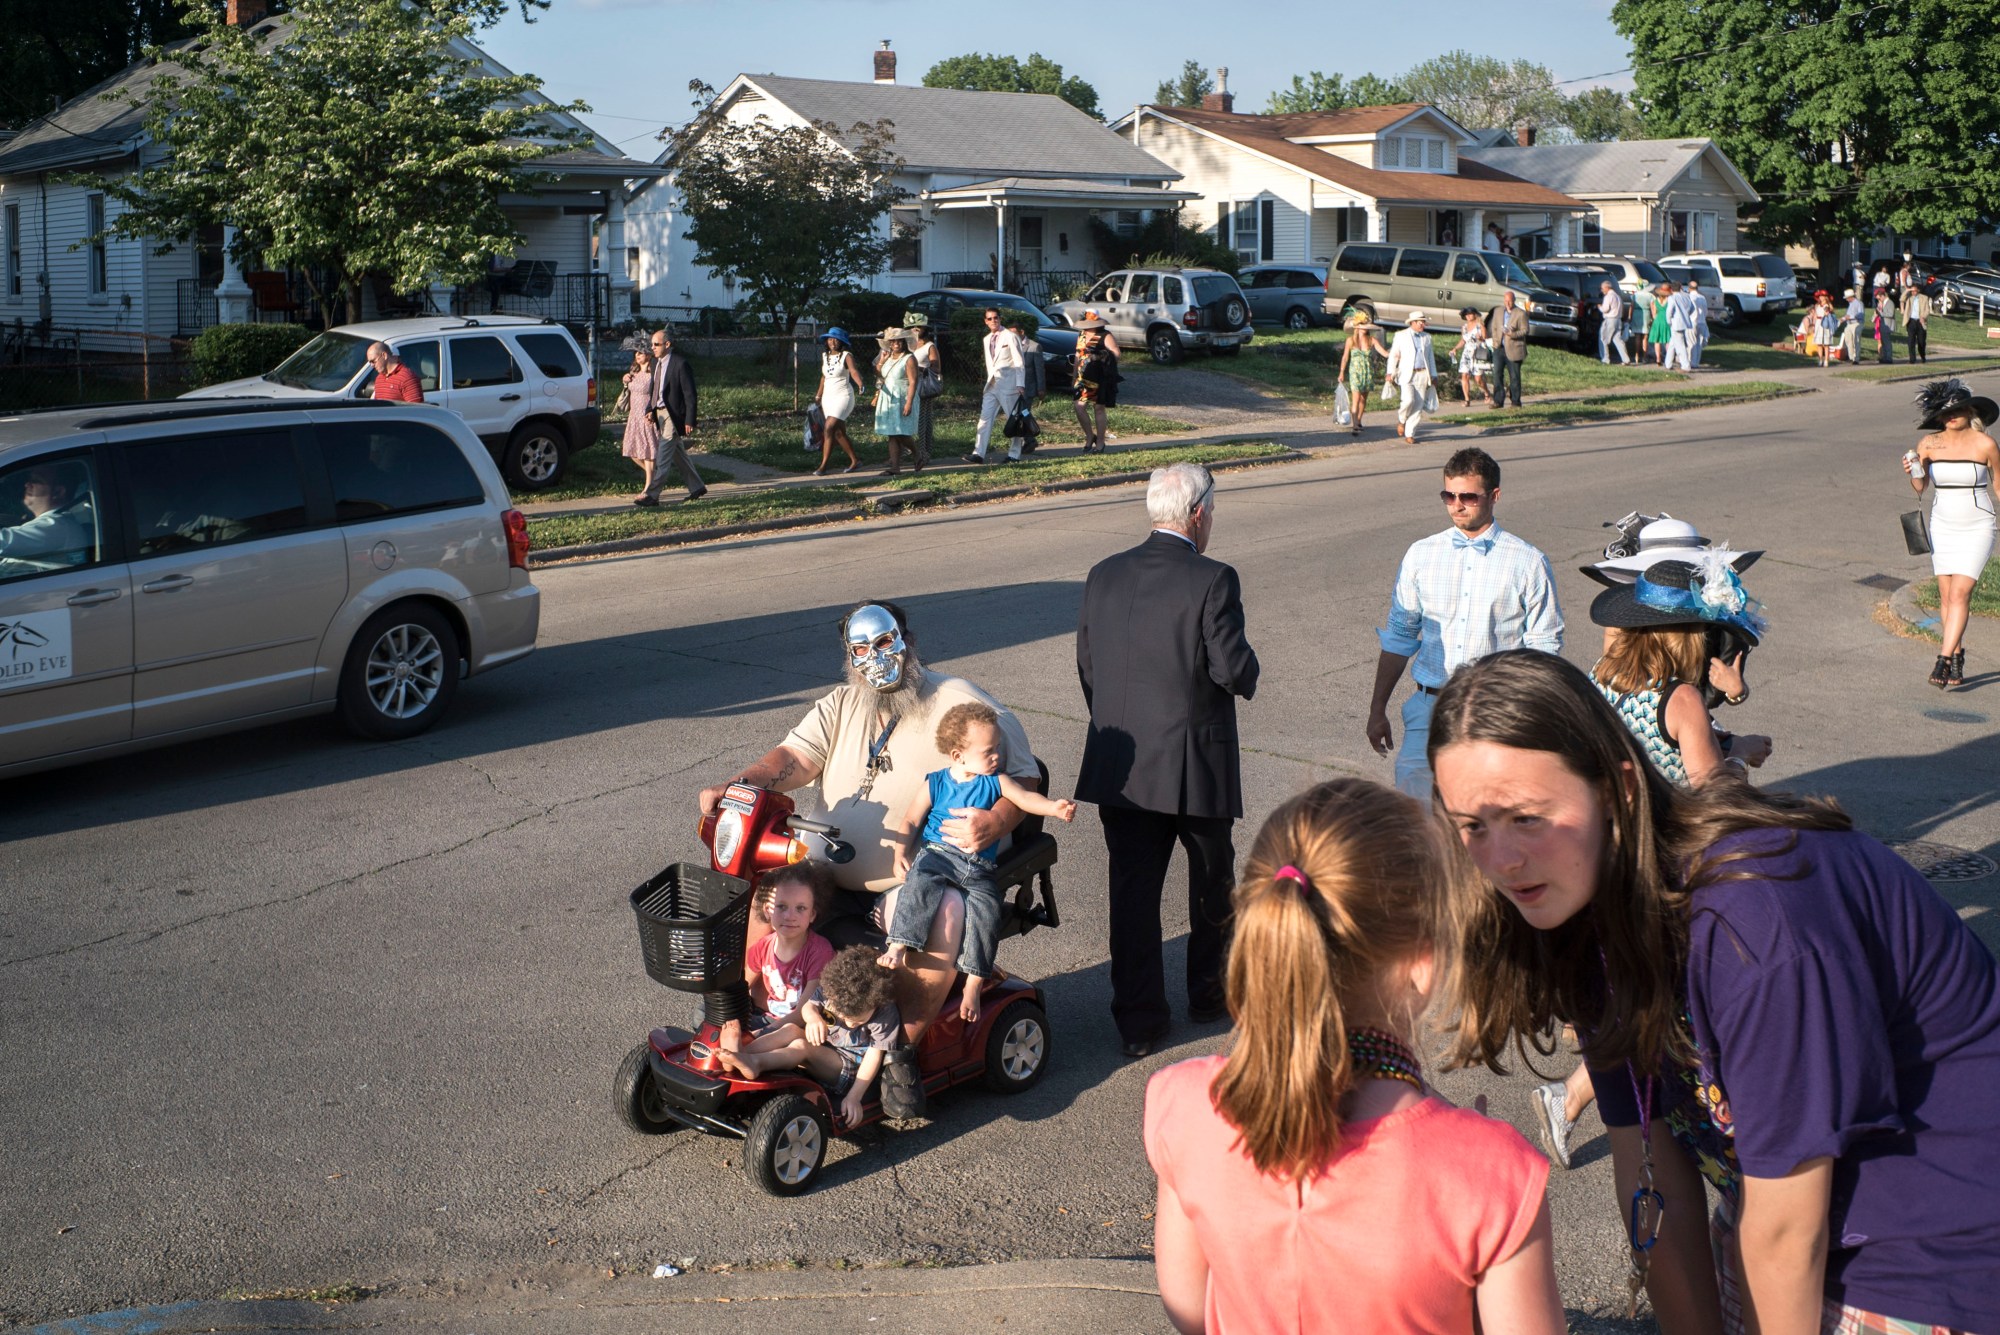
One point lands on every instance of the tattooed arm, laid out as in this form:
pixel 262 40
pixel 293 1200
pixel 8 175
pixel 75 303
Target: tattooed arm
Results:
pixel 782 769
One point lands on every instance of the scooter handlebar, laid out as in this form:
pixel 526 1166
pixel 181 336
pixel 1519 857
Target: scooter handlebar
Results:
pixel 800 823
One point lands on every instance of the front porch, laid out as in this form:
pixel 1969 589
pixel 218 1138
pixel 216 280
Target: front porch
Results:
pixel 1549 232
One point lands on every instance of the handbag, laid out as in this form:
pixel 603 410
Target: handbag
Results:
pixel 1916 533
pixel 1019 422
pixel 930 383
pixel 623 408
pixel 1341 415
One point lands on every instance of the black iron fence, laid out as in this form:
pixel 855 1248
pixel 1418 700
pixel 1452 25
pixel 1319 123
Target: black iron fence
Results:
pixel 1041 286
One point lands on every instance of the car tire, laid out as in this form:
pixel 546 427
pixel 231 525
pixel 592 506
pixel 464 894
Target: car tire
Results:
pixel 1732 313
pixel 1298 317
pixel 1017 1048
pixel 786 1145
pixel 400 674
pixel 635 1096
pixel 1235 313
pixel 536 456
pixel 1165 345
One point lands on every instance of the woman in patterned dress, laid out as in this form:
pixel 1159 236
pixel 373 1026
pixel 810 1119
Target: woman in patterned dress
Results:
pixel 1360 363
pixel 642 438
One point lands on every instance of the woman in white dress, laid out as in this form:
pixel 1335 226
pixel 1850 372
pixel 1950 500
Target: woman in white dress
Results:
pixel 1959 462
pixel 839 379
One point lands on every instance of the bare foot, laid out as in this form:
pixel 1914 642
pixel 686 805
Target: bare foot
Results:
pixel 736 1063
pixel 731 1037
pixel 893 957
pixel 968 1005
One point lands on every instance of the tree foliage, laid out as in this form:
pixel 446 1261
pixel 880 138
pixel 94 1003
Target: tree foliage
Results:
pixel 791 212
pixel 1329 92
pixel 52 52
pixel 1843 119
pixel 351 141
pixel 1005 74
pixel 1484 92
pixel 1599 115
pixel 1186 89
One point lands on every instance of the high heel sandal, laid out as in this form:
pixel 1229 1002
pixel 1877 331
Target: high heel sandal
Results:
pixel 1941 674
pixel 1956 676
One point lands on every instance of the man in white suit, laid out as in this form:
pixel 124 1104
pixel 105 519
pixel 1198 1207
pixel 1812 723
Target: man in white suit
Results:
pixel 1413 369
pixel 1005 378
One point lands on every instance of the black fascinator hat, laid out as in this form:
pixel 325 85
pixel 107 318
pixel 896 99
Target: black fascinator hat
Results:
pixel 1941 398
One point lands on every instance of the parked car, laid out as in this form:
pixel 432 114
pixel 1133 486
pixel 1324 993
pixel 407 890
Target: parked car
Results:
pixel 519 383
pixel 169 571
pixel 1392 282
pixel 1629 271
pixel 1286 294
pixel 1057 344
pixel 1581 284
pixel 1167 311
pixel 1962 290
pixel 1756 285
pixel 1678 269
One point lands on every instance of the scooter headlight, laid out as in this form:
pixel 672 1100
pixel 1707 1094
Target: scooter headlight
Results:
pixel 728 836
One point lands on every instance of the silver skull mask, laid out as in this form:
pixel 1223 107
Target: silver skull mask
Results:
pixel 875 647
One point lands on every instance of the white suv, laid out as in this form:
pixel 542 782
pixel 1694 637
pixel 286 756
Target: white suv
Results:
pixel 521 384
pixel 1755 283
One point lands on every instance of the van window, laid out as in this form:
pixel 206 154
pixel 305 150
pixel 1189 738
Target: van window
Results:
pixel 1171 292
pixel 482 360
pixel 1366 259
pixel 1467 269
pixel 48 518
pixel 1774 266
pixel 1738 268
pixel 1264 278
pixel 206 491
pixel 1424 264
pixel 552 354
pixel 386 468
pixel 1141 288
pixel 424 360
pixel 1110 289
pixel 1507 269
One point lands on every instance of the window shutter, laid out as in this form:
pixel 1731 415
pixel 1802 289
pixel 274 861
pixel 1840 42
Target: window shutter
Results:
pixel 1392 152
pixel 1434 154
pixel 1267 224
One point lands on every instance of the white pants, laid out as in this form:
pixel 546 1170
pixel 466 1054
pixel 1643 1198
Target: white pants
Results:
pixel 1695 345
pixel 1410 408
pixel 1680 348
pixel 996 405
pixel 1608 337
pixel 1413 767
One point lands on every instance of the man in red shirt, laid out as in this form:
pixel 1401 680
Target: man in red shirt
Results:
pixel 393 380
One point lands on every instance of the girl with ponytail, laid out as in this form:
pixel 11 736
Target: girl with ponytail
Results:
pixel 1310 1179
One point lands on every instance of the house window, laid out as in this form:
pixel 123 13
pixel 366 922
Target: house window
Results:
pixel 1694 170
pixel 1245 226
pixel 906 239
pixel 1413 153
pixel 1689 229
pixel 1126 223
pixel 13 227
pixel 93 224
pixel 1590 234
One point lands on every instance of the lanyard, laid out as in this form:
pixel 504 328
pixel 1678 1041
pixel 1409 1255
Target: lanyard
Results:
pixel 1648 1208
pixel 878 760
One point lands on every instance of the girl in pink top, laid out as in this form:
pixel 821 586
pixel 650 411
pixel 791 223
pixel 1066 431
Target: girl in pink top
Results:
pixel 1310 1180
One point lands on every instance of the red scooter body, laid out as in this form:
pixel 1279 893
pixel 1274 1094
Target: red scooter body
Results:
pixel 693 926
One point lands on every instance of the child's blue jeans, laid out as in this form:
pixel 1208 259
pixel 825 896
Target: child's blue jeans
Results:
pixel 939 868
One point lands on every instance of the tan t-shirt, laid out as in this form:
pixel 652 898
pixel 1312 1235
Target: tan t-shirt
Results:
pixel 837 735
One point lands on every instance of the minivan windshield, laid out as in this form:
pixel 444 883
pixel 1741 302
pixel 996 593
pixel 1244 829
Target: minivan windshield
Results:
pixel 326 364
pixel 1507 269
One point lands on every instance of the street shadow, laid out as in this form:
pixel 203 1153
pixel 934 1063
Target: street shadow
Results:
pixel 563 691
pixel 1909 796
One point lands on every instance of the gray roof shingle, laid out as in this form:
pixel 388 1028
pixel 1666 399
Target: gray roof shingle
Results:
pixel 953 129
pixel 1622 167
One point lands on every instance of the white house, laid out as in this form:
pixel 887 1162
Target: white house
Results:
pixel 1290 188
pixel 1002 187
pixel 117 288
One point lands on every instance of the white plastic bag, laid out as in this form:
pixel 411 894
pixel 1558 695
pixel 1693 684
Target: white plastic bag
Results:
pixel 1341 395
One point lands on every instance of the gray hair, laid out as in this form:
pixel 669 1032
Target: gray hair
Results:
pixel 1176 492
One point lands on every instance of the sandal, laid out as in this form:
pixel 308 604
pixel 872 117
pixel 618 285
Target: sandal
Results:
pixel 1941 674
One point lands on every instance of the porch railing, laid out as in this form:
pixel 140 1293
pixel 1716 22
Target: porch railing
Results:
pixel 1038 286
pixel 194 307
pixel 567 298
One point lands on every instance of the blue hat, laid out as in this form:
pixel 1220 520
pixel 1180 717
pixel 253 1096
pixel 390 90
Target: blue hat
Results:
pixel 838 335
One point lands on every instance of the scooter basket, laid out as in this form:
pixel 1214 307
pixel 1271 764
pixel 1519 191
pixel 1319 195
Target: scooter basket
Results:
pixel 692 924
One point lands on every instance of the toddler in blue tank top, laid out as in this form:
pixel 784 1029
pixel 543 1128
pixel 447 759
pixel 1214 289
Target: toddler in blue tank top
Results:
pixel 970 734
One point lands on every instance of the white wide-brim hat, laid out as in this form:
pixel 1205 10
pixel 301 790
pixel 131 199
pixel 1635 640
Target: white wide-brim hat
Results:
pixel 1665 539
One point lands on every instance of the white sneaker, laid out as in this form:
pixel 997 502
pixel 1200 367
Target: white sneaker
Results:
pixel 1551 1114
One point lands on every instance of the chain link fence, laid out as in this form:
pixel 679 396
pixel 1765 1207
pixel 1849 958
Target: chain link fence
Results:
pixel 49 366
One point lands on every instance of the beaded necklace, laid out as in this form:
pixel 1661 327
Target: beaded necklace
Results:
pixel 1382 1056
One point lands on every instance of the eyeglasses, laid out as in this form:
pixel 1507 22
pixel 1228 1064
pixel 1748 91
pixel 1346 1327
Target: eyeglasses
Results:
pixel 1462 497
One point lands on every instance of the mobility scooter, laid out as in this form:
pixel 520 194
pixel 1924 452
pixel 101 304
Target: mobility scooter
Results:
pixel 693 925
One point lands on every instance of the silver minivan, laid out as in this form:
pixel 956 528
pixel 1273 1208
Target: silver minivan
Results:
pixel 169 571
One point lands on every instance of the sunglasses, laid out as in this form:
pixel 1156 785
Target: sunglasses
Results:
pixel 1462 497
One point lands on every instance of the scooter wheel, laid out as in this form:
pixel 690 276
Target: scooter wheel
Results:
pixel 635 1095
pixel 786 1145
pixel 1017 1048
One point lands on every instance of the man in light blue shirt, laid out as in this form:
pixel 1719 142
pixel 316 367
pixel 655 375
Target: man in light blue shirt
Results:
pixel 1462 594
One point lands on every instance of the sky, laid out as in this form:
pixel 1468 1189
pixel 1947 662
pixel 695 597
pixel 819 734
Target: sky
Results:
pixel 631 60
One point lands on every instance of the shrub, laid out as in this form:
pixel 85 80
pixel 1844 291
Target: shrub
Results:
pixel 861 312
pixel 1164 242
pixel 233 351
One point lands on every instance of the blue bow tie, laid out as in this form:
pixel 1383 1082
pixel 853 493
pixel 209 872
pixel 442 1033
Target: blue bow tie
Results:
pixel 1480 545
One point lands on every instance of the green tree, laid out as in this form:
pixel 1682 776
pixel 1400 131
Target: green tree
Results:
pixel 1844 119
pixel 1328 92
pixel 1483 92
pixel 1599 115
pixel 52 52
pixel 352 141
pixel 1005 74
pixel 1187 89
pixel 792 212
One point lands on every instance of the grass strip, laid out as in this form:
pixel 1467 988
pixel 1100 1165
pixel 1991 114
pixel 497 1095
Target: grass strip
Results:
pixel 1901 371
pixel 1985 594
pixel 1609 407
pixel 714 510
pixel 1034 472
pixel 602 471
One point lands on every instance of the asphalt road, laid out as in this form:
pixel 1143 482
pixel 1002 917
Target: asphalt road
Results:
pixel 285 1010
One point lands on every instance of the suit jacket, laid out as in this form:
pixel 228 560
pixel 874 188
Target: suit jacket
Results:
pixel 1408 355
pixel 1162 656
pixel 673 395
pixel 1509 330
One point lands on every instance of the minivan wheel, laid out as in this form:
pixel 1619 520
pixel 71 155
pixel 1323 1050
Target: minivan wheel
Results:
pixel 1298 317
pixel 401 673
pixel 1165 345
pixel 536 456
pixel 1732 312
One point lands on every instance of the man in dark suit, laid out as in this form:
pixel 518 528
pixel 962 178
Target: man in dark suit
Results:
pixel 673 412
pixel 1508 328
pixel 1162 655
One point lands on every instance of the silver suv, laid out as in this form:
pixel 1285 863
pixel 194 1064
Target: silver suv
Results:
pixel 169 571
pixel 520 384
pixel 1167 310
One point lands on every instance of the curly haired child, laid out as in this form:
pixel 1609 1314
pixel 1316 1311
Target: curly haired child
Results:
pixel 847 1032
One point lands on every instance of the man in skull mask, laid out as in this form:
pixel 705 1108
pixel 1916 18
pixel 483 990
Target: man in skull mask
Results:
pixel 869 744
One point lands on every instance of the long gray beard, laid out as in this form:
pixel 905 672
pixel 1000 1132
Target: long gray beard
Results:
pixel 908 696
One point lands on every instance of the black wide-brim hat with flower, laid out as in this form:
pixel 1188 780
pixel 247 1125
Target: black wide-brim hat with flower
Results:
pixel 1941 398
pixel 1678 593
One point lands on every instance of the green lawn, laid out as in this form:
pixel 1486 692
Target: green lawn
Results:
pixel 1608 407
pixel 765 503
pixel 602 471
pixel 1962 331
pixel 1035 471
pixel 1748 347
pixel 1897 371
pixel 1985 594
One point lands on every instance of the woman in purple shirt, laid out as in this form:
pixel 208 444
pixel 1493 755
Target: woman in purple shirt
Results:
pixel 1767 999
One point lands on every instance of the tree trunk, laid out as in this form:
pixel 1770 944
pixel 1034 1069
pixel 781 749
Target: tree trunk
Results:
pixel 1826 253
pixel 350 287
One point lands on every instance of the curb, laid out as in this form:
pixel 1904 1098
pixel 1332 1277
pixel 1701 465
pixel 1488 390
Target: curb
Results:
pixel 1903 603
pixel 893 503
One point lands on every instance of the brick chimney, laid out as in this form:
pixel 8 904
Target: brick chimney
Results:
pixel 885 63
pixel 1221 99
pixel 1524 135
pixel 246 13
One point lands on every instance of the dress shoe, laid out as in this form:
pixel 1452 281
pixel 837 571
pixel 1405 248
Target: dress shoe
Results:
pixel 973 458
pixel 1208 1013
pixel 1140 1048
pixel 646 502
pixel 697 495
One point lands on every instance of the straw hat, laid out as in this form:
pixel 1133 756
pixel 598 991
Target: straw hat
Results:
pixel 895 333
pixel 1663 539
pixel 1090 322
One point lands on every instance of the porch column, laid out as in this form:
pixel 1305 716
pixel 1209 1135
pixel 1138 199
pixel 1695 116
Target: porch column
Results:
pixel 611 253
pixel 1560 236
pixel 1474 236
pixel 1378 222
pixel 232 294
pixel 1000 246
pixel 441 296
